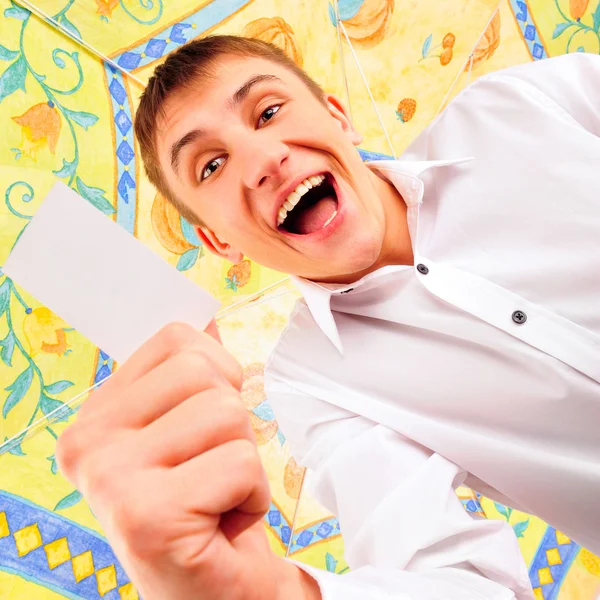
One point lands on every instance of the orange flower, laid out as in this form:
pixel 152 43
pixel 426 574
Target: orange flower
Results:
pixel 578 8
pixel 445 56
pixel 253 397
pixel 40 128
pixel 370 24
pixel 275 31
pixel 293 476
pixel 242 272
pixel 45 332
pixel 166 223
pixel 448 41
pixel 488 43
pixel 106 7
pixel 406 109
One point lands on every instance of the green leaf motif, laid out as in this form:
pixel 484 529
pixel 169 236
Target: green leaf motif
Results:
pixel 49 405
pixel 6 54
pixel 427 45
pixel 95 196
pixel 18 389
pixel 71 500
pixel 4 296
pixel 16 449
pixel 187 260
pixel 7 347
pixel 67 169
pixel 53 465
pixel 82 118
pixel 560 29
pixel 17 12
pixel 58 386
pixel 330 563
pixel 596 17
pixel 13 78
pixel 503 510
pixel 520 528
pixel 69 26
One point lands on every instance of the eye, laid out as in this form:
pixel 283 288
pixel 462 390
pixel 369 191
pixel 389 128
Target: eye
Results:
pixel 268 114
pixel 211 167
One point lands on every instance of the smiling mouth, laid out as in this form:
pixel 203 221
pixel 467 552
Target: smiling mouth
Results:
pixel 310 207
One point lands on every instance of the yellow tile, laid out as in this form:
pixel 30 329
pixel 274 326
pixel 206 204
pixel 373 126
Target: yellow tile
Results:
pixel 107 579
pixel 128 592
pixel 553 556
pixel 561 538
pixel 538 594
pixel 83 566
pixel 57 552
pixel 545 576
pixel 28 539
pixel 4 530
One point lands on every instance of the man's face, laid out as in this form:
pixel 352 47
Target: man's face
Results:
pixel 241 149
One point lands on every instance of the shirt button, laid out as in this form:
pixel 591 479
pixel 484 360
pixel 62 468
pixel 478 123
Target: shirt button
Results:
pixel 519 317
pixel 422 269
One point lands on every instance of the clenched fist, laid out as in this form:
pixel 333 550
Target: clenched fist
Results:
pixel 165 455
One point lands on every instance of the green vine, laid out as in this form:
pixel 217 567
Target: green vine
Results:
pixel 580 27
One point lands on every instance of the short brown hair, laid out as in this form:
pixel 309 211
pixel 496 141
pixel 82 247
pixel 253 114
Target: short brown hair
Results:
pixel 186 65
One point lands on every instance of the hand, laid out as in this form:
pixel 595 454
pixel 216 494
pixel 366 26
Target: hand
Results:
pixel 165 455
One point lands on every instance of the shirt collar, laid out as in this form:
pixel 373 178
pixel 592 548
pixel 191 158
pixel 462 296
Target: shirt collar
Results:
pixel 404 176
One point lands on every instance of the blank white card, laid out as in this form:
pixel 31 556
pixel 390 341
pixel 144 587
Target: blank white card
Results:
pixel 99 278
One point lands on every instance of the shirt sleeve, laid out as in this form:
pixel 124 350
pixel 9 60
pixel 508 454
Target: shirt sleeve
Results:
pixel 406 534
pixel 572 81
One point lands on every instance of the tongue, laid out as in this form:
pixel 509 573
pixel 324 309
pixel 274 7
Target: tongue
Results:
pixel 313 218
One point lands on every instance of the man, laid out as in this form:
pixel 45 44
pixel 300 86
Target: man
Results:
pixel 449 334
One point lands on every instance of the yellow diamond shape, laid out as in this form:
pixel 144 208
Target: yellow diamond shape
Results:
pixel 57 552
pixel 545 576
pixel 561 538
pixel 553 556
pixel 28 539
pixel 538 594
pixel 128 592
pixel 83 566
pixel 4 530
pixel 107 579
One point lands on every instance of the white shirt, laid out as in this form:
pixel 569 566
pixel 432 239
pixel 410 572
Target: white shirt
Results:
pixel 412 381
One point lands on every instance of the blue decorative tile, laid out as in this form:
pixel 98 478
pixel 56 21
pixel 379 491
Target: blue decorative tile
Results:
pixel 286 534
pixel 529 32
pixel 123 122
pixel 117 91
pixel 522 15
pixel 274 518
pixel 125 153
pixel 305 538
pixel 126 183
pixel 179 33
pixel 324 530
pixel 155 48
pixel 538 51
pixel 129 60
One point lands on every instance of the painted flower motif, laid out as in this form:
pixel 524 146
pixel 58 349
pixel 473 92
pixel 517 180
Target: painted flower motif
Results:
pixel 449 40
pixel 446 56
pixel 40 128
pixel 578 8
pixel 369 26
pixel 106 7
pixel 406 109
pixel 253 395
pixel 239 275
pixel 293 476
pixel 45 332
pixel 488 43
pixel 278 32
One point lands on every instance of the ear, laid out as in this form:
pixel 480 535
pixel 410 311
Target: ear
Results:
pixel 222 249
pixel 338 111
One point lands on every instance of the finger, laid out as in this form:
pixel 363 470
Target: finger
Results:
pixel 169 341
pixel 229 477
pixel 202 422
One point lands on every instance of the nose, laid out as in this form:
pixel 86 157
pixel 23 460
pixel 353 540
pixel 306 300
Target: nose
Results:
pixel 262 161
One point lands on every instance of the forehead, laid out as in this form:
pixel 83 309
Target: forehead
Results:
pixel 207 97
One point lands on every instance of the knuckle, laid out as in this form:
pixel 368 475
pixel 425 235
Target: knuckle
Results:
pixel 197 369
pixel 176 336
pixel 248 458
pixel 69 450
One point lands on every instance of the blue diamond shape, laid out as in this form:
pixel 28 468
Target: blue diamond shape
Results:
pixel 129 60
pixel 305 538
pixel 126 183
pixel 522 16
pixel 530 32
pixel 103 373
pixel 178 33
pixel 117 91
pixel 125 153
pixel 286 534
pixel 324 530
pixel 471 506
pixel 155 48
pixel 538 51
pixel 104 356
pixel 274 518
pixel 123 122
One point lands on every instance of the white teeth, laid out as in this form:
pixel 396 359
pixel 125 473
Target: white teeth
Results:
pixel 294 197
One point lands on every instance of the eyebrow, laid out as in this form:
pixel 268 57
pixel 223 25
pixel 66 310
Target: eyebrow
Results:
pixel 238 97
